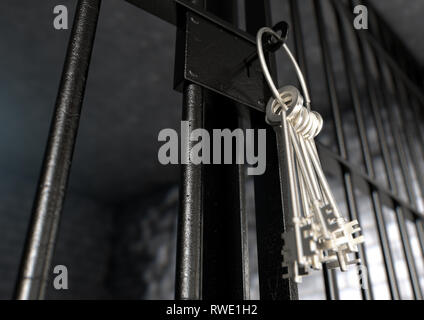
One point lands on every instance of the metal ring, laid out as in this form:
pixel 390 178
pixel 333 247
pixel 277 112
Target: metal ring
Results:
pixel 265 69
pixel 268 75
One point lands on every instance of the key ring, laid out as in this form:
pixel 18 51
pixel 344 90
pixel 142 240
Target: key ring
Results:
pixel 265 69
pixel 315 232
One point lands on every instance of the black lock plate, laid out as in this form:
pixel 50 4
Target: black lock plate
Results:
pixel 221 60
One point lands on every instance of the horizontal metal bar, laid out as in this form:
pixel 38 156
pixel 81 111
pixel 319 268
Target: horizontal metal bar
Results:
pixel 168 10
pixel 163 9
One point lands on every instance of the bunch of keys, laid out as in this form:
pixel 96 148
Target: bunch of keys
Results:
pixel 315 231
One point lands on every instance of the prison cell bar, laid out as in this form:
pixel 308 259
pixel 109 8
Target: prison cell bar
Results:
pixel 372 95
pixel 411 104
pixel 416 111
pixel 188 283
pixel 375 105
pixel 330 278
pixel 408 180
pixel 391 42
pixel 376 108
pixel 225 256
pixel 403 104
pixel 49 199
pixel 269 189
pixel 360 124
pixel 377 189
pixel 48 204
pixel 217 227
pixel 402 100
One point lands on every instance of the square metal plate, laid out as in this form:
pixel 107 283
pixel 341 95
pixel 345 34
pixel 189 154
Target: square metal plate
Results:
pixel 215 58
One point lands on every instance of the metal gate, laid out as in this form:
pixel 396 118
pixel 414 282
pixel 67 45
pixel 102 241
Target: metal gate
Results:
pixel 382 97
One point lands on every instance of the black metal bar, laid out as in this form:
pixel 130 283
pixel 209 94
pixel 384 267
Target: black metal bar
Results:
pixel 412 198
pixel 163 9
pixel 360 123
pixel 331 288
pixel 328 155
pixel 244 230
pixel 330 277
pixel 411 136
pixel 52 185
pixel 268 190
pixel 330 82
pixel 383 28
pixel 376 107
pixel 367 293
pixel 298 38
pixel 188 284
pixel 416 114
pixel 405 103
pixel 420 233
pixel 384 55
pixel 166 9
pixel 384 242
pixel 332 92
pixel 385 84
pixel 401 96
pixel 412 269
pixel 212 243
pixel 225 257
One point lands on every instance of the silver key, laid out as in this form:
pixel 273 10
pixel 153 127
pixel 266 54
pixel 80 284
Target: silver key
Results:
pixel 314 232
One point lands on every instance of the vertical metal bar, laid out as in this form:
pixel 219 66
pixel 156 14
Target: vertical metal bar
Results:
pixel 387 83
pixel 298 38
pixel 376 107
pixel 268 204
pixel 417 116
pixel 367 293
pixel 402 157
pixel 399 211
pixel 413 275
pixel 359 117
pixel 414 110
pixel 244 233
pixel 330 81
pixel 188 283
pixel 225 255
pixel 384 242
pixel 330 278
pixel 52 185
pixel 212 257
pixel 392 42
pixel 420 233
pixel 412 135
